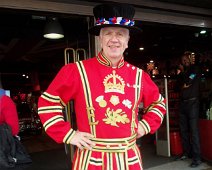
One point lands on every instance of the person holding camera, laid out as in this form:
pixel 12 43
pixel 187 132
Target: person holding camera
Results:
pixel 189 79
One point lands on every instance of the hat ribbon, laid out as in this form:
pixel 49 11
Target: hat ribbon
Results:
pixel 115 20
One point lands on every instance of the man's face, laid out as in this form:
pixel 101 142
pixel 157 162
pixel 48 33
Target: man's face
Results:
pixel 114 41
pixel 185 61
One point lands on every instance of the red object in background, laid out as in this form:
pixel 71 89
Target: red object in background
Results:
pixel 175 144
pixel 205 127
pixel 22 97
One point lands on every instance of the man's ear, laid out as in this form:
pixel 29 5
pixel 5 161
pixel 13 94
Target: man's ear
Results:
pixel 100 42
pixel 128 42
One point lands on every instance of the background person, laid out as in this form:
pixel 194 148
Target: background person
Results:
pixel 189 77
pixel 106 91
pixel 8 112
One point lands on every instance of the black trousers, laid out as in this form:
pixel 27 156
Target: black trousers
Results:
pixel 188 120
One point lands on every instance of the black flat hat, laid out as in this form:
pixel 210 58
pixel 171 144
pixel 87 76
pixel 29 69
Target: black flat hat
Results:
pixel 113 15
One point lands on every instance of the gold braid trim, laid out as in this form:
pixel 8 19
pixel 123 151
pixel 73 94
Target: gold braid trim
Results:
pixel 159 101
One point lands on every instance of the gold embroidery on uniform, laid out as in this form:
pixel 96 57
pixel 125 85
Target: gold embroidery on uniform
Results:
pixel 127 103
pixel 114 100
pixel 114 83
pixel 114 117
pixel 101 101
pixel 99 98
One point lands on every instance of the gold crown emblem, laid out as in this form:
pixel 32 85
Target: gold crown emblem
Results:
pixel 114 83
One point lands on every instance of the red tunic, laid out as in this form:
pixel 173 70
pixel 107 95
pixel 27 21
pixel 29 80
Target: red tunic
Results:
pixel 8 114
pixel 115 94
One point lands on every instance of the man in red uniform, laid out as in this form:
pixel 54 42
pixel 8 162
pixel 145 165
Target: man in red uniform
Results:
pixel 106 91
pixel 8 112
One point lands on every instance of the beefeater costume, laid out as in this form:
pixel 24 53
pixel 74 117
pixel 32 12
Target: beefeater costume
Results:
pixel 106 103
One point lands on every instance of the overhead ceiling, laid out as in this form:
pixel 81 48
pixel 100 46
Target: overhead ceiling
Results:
pixel 22 40
pixel 194 3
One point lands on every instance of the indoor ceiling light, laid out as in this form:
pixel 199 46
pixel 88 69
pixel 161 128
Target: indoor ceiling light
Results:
pixel 202 31
pixel 141 48
pixel 53 29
